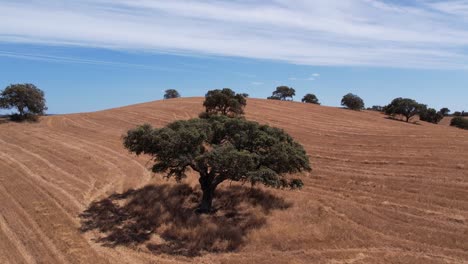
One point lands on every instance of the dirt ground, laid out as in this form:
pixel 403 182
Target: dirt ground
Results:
pixel 381 191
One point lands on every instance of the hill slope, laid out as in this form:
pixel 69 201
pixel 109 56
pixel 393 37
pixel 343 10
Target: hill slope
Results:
pixel 381 191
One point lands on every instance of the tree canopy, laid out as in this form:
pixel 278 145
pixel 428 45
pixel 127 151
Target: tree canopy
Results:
pixel 445 111
pixel 430 115
pixel 405 107
pixel 352 102
pixel 219 148
pixel 225 102
pixel 458 113
pixel 26 98
pixel 459 122
pixel 171 93
pixel 310 98
pixel 283 93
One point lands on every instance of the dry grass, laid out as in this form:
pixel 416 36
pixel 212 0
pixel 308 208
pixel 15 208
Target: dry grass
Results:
pixel 166 213
pixel 381 192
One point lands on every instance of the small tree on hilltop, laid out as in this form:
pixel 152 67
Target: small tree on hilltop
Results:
pixel 221 149
pixel 430 115
pixel 311 99
pixel 225 102
pixel 352 102
pixel 445 111
pixel 171 93
pixel 283 93
pixel 405 107
pixel 26 98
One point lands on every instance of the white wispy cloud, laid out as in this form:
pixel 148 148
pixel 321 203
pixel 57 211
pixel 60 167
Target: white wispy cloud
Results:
pixel 74 60
pixel 457 8
pixel 313 77
pixel 425 34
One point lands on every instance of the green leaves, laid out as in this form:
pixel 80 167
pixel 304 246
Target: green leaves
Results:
pixel 430 115
pixel 310 99
pixel 221 148
pixel 283 93
pixel 171 93
pixel 404 106
pixel 26 98
pixel 352 102
pixel 225 102
pixel 227 162
pixel 459 122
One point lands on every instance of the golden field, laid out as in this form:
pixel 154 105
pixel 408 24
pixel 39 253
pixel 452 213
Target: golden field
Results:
pixel 381 191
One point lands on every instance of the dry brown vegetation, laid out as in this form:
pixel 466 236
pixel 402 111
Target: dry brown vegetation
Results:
pixel 381 192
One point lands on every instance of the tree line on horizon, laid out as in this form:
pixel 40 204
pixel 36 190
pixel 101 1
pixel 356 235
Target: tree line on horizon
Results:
pixel 406 107
pixel 30 103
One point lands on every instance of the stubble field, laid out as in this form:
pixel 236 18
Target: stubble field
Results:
pixel 381 191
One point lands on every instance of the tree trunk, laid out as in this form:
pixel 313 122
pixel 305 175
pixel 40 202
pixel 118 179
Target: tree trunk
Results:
pixel 208 188
pixel 207 201
pixel 407 119
pixel 21 111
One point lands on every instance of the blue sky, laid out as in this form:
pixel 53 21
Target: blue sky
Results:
pixel 95 54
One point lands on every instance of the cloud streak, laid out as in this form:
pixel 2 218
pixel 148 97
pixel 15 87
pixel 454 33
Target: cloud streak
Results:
pixel 425 34
pixel 74 60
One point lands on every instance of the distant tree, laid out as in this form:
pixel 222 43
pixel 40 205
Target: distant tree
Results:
pixel 430 115
pixel 221 149
pixel 311 99
pixel 171 93
pixel 457 113
pixel 26 98
pixel 445 111
pixel 376 108
pixel 459 122
pixel 225 102
pixel 352 101
pixel 283 93
pixel 403 106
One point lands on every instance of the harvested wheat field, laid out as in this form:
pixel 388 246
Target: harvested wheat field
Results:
pixel 381 191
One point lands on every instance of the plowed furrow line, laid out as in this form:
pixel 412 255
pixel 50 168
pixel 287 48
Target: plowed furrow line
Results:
pixel 56 224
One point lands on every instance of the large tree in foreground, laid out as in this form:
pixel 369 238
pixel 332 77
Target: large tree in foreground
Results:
pixel 225 102
pixel 221 149
pixel 405 107
pixel 26 98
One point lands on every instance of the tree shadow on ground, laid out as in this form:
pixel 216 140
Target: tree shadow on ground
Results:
pixel 15 118
pixel 162 218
